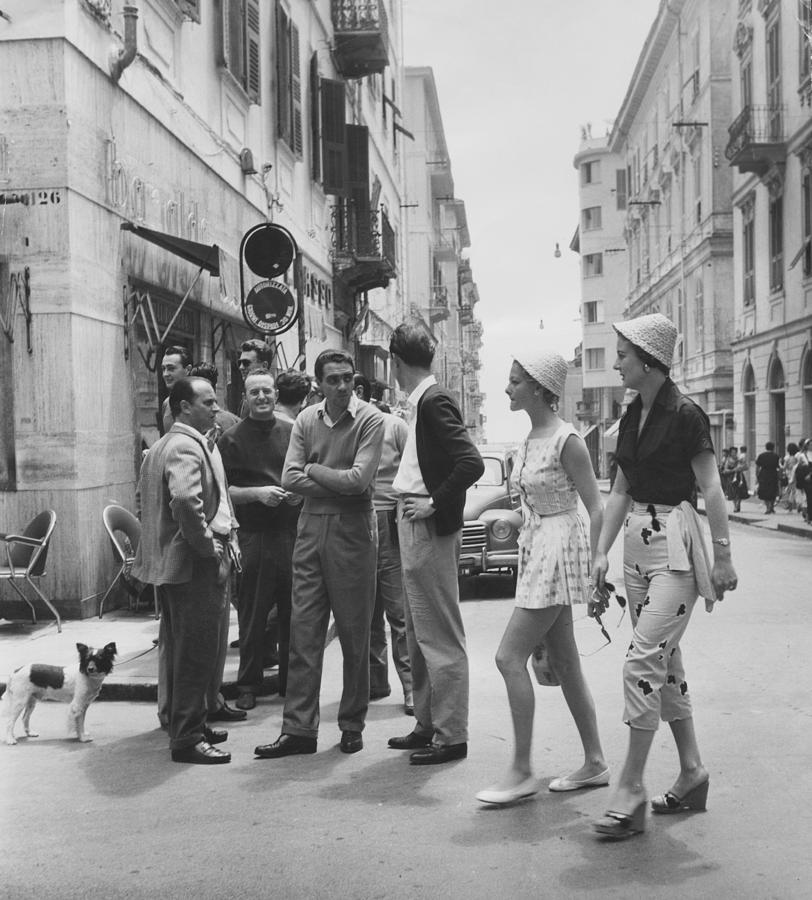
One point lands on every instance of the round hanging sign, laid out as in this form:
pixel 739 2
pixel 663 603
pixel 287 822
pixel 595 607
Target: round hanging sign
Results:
pixel 271 307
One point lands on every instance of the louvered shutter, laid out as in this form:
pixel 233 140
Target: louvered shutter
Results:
pixel 333 137
pixel 252 50
pixel 315 144
pixel 620 188
pixel 358 187
pixel 283 75
pixel 295 91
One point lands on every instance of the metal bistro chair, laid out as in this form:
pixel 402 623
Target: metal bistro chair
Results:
pixel 26 555
pixel 125 535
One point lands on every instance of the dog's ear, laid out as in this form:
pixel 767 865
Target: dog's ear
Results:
pixel 110 648
pixel 83 650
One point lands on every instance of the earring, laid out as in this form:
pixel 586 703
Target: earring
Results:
pixel 646 367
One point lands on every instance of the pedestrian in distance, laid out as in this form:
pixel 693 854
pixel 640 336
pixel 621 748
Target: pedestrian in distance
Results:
pixel 438 465
pixel 553 469
pixel 803 479
pixel 335 448
pixel 664 450
pixel 767 465
pixel 787 477
pixel 735 467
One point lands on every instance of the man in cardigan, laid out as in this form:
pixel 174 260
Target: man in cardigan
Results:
pixel 187 524
pixel 439 463
pixel 334 451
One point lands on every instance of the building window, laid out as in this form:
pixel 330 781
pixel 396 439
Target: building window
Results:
pixel 591 218
pixel 239 46
pixel 697 173
pixel 620 188
pixel 749 396
pixel 806 201
pixel 776 221
pixel 804 39
pixel 699 315
pixel 746 82
pixel 593 312
pixel 288 82
pixel 591 172
pixel 595 359
pixel 749 254
pixel 806 382
pixel 593 265
pixel 774 79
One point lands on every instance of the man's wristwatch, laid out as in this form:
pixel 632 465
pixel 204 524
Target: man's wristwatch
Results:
pixel 722 542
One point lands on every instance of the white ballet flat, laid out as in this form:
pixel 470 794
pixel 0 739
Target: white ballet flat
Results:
pixel 527 788
pixel 565 783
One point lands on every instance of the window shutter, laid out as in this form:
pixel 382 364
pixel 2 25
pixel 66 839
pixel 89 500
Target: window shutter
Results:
pixel 333 137
pixel 283 75
pixel 315 144
pixel 252 47
pixel 358 188
pixel 620 188
pixel 296 91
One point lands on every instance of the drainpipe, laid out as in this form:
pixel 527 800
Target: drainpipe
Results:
pixel 120 58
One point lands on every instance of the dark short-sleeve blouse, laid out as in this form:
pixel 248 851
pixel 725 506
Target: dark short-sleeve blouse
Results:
pixel 657 465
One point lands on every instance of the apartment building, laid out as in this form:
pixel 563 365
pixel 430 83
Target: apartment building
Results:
pixel 137 145
pixel 671 130
pixel 440 287
pixel 769 147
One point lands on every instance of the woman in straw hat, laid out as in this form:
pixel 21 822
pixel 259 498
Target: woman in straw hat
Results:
pixel 664 451
pixel 552 470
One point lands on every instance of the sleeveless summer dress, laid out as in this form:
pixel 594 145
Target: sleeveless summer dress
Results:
pixel 553 543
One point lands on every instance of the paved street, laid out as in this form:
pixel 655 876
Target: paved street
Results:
pixel 117 819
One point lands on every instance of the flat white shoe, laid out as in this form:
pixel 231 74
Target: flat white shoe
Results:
pixel 527 788
pixel 564 783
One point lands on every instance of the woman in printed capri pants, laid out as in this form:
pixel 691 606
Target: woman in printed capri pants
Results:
pixel 664 451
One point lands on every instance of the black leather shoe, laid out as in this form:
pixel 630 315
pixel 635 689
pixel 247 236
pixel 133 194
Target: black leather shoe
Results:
pixel 214 735
pixel 411 741
pixel 227 713
pixel 286 745
pixel 379 695
pixel 351 741
pixel 435 754
pixel 202 753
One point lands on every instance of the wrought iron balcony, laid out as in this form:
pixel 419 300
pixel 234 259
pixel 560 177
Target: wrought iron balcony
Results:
pixel 361 37
pixel 585 410
pixel 362 246
pixel 757 139
pixel 466 315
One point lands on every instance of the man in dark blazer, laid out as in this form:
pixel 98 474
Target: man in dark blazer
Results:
pixel 187 538
pixel 439 464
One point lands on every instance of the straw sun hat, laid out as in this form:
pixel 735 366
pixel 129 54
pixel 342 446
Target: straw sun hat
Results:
pixel 654 333
pixel 546 367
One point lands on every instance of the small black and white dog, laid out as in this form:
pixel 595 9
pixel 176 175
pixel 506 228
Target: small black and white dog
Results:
pixel 79 684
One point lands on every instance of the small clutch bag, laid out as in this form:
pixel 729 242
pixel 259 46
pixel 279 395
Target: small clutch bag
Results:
pixel 544 672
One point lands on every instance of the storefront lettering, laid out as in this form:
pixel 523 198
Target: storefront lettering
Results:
pixel 317 289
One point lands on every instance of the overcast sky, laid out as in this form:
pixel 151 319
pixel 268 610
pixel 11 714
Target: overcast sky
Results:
pixel 516 80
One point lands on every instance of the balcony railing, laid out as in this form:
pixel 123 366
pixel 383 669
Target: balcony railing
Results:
pixel 757 138
pixel 361 37
pixel 362 245
pixel 466 315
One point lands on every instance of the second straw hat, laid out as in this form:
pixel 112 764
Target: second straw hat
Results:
pixel 546 367
pixel 654 333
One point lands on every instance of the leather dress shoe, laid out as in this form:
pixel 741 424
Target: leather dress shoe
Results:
pixel 202 753
pixel 214 735
pixel 286 745
pixel 435 754
pixel 411 741
pixel 226 713
pixel 351 741
pixel 246 700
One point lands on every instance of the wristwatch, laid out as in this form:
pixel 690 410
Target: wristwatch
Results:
pixel 722 542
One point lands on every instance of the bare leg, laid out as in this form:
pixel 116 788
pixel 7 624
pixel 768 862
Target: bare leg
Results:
pixel 692 772
pixel 524 630
pixel 630 790
pixel 567 664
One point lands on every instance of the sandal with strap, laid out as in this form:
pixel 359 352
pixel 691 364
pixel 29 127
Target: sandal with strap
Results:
pixel 620 826
pixel 696 799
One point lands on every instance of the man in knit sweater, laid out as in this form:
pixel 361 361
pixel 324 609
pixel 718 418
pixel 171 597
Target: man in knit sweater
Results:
pixel 253 453
pixel 334 452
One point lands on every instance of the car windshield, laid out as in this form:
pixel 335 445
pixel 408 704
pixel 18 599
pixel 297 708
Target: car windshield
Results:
pixel 493 471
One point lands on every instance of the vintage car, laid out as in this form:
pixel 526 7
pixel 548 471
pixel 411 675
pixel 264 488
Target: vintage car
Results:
pixel 493 517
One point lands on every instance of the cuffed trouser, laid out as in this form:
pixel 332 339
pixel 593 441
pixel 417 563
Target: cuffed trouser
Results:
pixel 191 631
pixel 388 602
pixel 266 581
pixel 661 601
pixel 434 631
pixel 333 569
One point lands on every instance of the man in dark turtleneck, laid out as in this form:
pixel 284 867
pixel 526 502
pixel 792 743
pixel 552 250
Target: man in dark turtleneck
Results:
pixel 253 454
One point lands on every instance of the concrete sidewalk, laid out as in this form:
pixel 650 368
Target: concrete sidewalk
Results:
pixel 135 676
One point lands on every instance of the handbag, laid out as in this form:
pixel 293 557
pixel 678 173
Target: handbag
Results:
pixel 542 667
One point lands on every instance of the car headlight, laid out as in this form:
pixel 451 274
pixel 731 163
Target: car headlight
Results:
pixel 501 529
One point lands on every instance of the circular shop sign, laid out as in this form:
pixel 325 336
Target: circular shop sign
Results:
pixel 271 307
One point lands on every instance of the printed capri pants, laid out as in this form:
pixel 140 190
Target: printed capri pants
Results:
pixel 661 601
